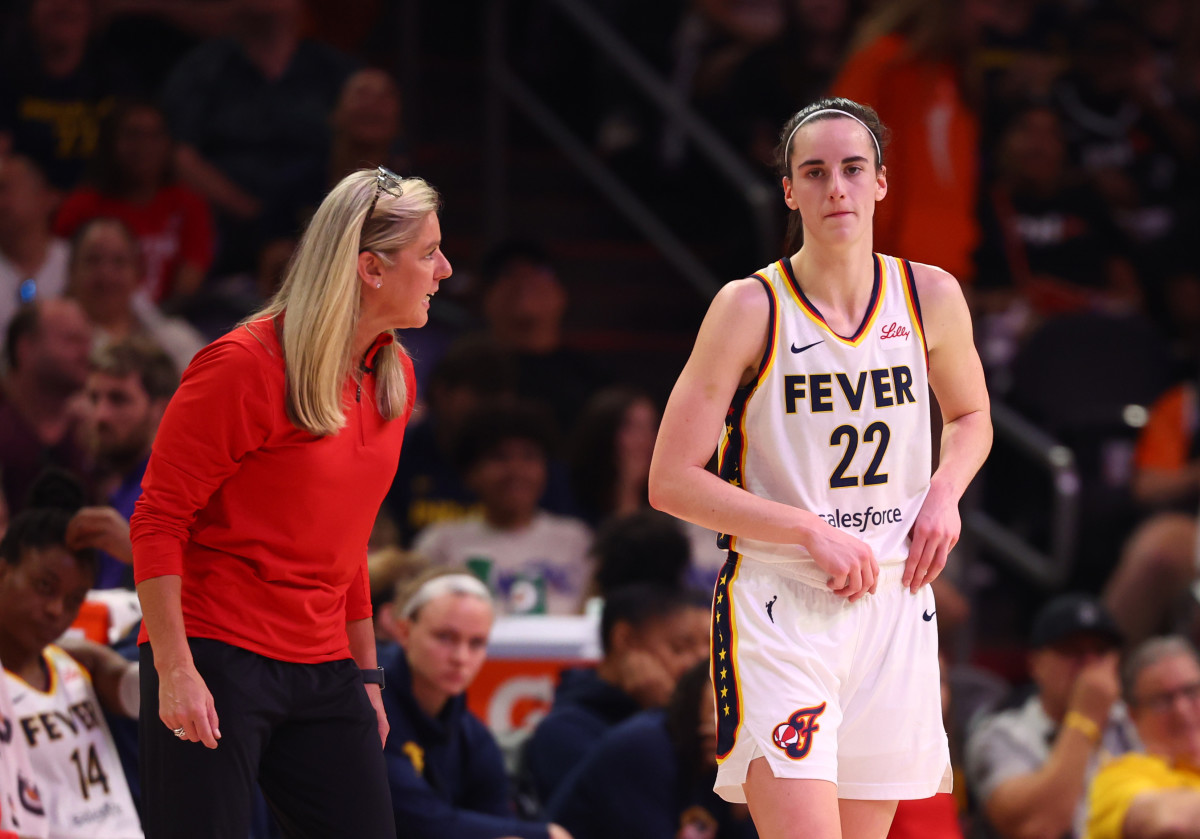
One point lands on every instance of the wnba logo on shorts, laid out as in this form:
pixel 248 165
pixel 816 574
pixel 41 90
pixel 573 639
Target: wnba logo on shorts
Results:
pixel 795 735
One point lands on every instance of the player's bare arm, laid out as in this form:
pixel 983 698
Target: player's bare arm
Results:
pixel 727 354
pixel 113 677
pixel 956 377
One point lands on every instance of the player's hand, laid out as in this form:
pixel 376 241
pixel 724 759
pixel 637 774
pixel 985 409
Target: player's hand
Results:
pixel 185 702
pixel 849 562
pixel 102 528
pixel 375 694
pixel 934 533
pixel 1096 688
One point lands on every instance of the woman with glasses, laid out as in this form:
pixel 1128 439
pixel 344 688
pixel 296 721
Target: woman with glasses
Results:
pixel 250 537
pixel 1155 791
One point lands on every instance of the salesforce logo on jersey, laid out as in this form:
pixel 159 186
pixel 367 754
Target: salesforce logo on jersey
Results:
pixel 862 519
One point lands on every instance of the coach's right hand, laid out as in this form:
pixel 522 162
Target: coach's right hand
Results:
pixel 849 562
pixel 185 702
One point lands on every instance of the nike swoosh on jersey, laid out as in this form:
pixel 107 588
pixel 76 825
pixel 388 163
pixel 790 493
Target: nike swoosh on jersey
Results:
pixel 928 615
pixel 806 346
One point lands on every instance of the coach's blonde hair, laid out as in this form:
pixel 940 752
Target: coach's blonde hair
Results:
pixel 321 297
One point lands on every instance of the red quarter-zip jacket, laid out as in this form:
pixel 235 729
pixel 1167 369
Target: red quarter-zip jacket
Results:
pixel 266 523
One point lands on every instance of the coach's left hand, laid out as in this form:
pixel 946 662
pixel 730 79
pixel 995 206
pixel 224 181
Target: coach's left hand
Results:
pixel 375 694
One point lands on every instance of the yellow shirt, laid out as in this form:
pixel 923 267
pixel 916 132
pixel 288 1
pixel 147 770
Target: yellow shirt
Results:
pixel 1117 784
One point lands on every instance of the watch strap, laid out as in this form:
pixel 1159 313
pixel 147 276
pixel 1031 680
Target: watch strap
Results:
pixel 373 676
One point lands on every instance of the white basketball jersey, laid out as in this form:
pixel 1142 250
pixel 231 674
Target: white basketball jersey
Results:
pixel 835 425
pixel 79 774
pixel 21 809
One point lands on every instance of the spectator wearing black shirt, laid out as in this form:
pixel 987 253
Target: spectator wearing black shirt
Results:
pixel 56 84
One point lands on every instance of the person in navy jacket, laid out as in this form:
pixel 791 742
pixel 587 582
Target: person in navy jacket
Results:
pixel 650 634
pixel 445 770
pixel 651 776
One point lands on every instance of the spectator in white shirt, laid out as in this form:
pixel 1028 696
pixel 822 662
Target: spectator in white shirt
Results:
pixel 533 560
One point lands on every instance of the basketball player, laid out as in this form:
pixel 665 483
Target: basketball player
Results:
pixel 22 814
pixel 55 709
pixel 824 638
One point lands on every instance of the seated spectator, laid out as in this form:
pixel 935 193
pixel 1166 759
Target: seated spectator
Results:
pixel 132 180
pixel 251 116
pixel 127 391
pixel 366 125
pixel 1155 794
pixel 73 757
pixel 652 776
pixel 446 771
pixel 56 84
pixel 524 302
pixel 534 560
pixel 427 488
pixel 33 262
pixel 610 453
pixel 1029 766
pixel 642 547
pixel 105 278
pixel 650 635
pixel 388 570
pixel 46 348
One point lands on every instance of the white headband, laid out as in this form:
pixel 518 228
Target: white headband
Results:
pixel 446 584
pixel 787 147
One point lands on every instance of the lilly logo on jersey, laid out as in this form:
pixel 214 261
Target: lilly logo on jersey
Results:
pixel 794 737
pixel 894 330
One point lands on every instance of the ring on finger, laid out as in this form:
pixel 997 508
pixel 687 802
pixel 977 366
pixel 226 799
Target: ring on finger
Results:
pixel 180 732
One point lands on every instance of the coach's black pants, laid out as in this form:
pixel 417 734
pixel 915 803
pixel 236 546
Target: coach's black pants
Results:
pixel 306 733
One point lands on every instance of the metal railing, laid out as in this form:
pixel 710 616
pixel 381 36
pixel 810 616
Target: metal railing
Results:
pixel 1046 569
pixel 506 88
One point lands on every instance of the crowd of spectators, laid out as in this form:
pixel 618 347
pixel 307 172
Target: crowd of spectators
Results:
pixel 1047 155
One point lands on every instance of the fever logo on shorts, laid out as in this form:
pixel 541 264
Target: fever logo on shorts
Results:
pixel 31 800
pixel 795 735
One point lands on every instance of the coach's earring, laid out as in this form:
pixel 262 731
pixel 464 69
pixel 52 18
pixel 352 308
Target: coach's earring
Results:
pixel 379 285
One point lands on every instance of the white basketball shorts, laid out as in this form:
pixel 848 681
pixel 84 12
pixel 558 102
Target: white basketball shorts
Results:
pixel 827 689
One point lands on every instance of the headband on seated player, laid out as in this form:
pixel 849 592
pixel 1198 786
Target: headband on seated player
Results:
pixel 787 147
pixel 446 584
